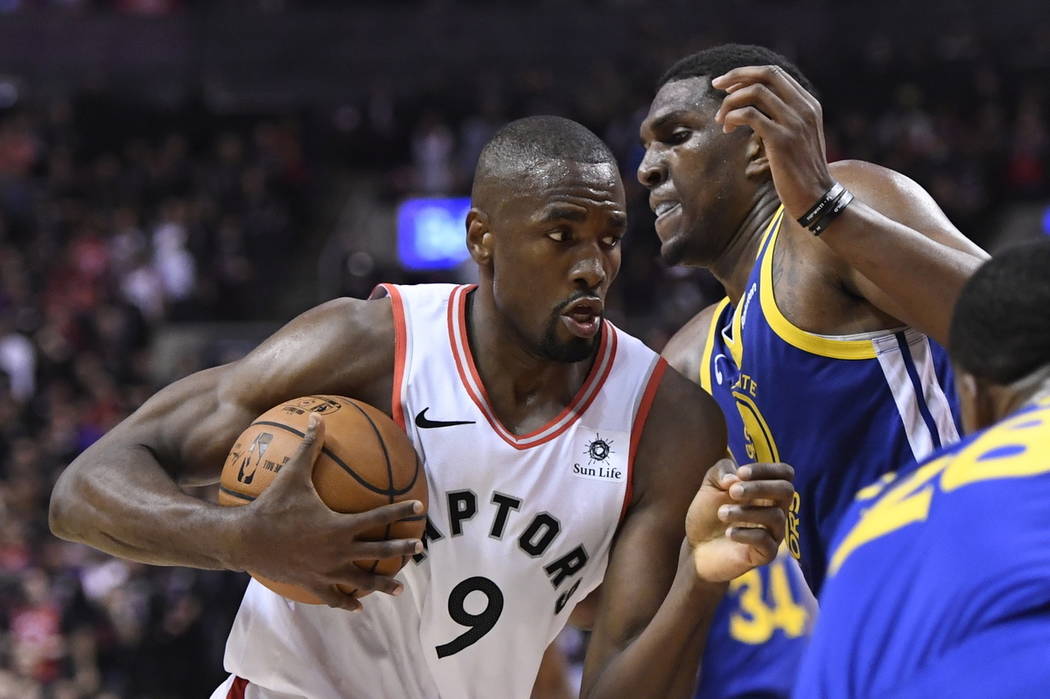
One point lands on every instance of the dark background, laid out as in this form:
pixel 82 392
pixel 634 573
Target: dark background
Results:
pixel 178 178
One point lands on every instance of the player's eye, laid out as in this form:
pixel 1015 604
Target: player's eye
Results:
pixel 611 241
pixel 679 136
pixel 558 235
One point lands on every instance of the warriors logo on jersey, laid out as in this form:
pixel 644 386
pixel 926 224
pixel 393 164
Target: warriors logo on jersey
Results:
pixel 841 410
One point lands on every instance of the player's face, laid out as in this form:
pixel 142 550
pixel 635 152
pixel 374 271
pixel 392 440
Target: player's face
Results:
pixel 557 250
pixel 695 173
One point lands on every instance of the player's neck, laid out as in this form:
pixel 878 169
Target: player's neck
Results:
pixel 514 378
pixel 734 265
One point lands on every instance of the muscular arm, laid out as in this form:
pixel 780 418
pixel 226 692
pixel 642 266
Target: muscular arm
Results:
pixel 901 252
pixel 123 495
pixel 552 681
pixel 654 611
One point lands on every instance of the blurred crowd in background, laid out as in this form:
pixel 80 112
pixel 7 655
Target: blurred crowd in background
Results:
pixel 120 220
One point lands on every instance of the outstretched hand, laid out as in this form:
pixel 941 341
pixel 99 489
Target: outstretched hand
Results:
pixel 738 517
pixel 790 123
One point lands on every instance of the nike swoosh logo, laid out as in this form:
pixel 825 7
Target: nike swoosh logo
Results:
pixel 423 423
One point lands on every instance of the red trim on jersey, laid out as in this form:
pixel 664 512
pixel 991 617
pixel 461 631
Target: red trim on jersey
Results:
pixel 237 688
pixel 397 303
pixel 452 300
pixel 639 426
pixel 468 374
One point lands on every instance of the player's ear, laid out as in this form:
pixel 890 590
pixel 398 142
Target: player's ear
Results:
pixel 757 165
pixel 966 390
pixel 977 400
pixel 479 236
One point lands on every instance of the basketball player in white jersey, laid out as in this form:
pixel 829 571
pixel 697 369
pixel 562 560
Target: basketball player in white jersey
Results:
pixel 558 450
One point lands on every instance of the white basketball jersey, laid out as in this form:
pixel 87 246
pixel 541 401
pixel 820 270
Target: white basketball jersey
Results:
pixel 519 528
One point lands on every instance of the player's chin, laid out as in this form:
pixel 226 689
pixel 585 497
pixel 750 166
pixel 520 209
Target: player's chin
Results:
pixel 673 249
pixel 569 349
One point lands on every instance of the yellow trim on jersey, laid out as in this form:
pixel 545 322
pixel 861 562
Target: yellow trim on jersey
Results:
pixel 735 342
pixel 795 336
pixel 709 345
pixel 774 224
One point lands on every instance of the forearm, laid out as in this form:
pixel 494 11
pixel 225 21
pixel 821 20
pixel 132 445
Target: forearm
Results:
pixel 919 275
pixel 119 500
pixel 662 661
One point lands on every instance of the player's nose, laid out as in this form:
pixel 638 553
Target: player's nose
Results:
pixel 652 170
pixel 588 270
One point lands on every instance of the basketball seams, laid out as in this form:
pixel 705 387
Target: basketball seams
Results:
pixel 386 455
pixel 283 434
pixel 382 445
pixel 389 475
pixel 237 494
pixel 342 464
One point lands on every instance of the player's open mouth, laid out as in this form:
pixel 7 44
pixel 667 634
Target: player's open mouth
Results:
pixel 583 318
pixel 666 208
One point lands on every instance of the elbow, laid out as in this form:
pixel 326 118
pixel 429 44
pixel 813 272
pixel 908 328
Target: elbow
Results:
pixel 61 510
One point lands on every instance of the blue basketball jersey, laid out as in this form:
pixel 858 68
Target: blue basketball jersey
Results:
pixel 842 410
pixel 939 581
pixel 759 634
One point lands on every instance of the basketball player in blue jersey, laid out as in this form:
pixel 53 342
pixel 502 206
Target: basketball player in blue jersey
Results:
pixel 559 455
pixel 761 629
pixel 939 577
pixel 827 350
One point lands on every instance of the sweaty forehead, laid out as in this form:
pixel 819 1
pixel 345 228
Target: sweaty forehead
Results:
pixel 585 184
pixel 678 96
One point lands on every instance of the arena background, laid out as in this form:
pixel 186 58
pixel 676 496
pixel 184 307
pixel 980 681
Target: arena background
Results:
pixel 177 178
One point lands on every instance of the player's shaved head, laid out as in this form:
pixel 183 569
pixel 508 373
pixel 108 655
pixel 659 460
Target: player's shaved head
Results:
pixel 546 216
pixel 1001 327
pixel 522 146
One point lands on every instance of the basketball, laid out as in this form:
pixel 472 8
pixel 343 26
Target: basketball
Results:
pixel 367 461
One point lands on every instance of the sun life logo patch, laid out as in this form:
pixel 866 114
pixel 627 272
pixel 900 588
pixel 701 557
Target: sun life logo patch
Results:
pixel 603 463
pixel 598 450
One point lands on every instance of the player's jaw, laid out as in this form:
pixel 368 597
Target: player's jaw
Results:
pixel 666 203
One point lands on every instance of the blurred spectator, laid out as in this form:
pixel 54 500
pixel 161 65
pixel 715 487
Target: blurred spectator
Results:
pixel 17 360
pixel 98 247
pixel 432 150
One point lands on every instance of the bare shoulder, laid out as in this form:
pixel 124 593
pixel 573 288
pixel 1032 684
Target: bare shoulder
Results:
pixel 341 346
pixel 686 347
pixel 902 199
pixel 684 435
pixel 346 319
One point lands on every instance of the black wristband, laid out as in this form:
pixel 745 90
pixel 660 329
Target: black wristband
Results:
pixel 840 206
pixel 821 207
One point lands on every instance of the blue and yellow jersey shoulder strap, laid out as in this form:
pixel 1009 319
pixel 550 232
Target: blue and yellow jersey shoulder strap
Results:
pixel 734 343
pixel 834 348
pixel 709 344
